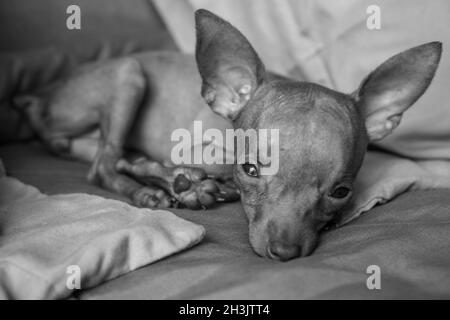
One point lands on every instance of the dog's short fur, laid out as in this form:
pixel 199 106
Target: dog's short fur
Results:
pixel 137 102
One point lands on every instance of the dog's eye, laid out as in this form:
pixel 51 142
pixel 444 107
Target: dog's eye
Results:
pixel 340 192
pixel 250 170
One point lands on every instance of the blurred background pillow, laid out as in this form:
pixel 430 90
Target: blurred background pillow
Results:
pixel 108 26
pixel 36 46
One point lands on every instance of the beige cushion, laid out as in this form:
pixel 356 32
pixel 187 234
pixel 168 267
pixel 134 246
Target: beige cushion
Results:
pixel 43 237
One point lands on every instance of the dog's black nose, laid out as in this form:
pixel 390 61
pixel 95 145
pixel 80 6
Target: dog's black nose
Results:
pixel 280 251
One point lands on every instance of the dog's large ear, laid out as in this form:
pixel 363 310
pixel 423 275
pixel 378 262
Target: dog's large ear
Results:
pixel 394 86
pixel 230 68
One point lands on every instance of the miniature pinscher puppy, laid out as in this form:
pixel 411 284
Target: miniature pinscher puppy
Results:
pixel 136 102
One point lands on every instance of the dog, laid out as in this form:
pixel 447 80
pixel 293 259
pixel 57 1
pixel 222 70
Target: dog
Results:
pixel 135 102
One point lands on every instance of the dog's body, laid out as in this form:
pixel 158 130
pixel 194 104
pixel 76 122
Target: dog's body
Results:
pixel 138 101
pixel 76 106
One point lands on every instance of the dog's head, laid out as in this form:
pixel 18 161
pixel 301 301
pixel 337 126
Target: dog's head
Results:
pixel 323 134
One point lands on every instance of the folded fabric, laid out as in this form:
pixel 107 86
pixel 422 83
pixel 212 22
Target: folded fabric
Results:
pixel 384 176
pixel 48 241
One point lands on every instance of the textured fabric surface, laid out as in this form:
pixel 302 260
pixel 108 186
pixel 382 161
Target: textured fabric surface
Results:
pixel 407 238
pixel 42 238
pixel 384 176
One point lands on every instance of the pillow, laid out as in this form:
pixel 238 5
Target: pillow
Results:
pixel 122 26
pixel 51 246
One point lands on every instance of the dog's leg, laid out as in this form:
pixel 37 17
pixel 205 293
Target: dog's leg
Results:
pixel 191 187
pixel 116 120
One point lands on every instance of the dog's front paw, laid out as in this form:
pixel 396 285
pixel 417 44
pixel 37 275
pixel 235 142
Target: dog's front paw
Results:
pixel 190 187
pixel 195 189
pixel 149 197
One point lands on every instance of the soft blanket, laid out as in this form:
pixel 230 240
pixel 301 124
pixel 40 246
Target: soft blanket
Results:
pixel 408 238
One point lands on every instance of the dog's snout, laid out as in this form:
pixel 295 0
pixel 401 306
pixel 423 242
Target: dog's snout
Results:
pixel 280 251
